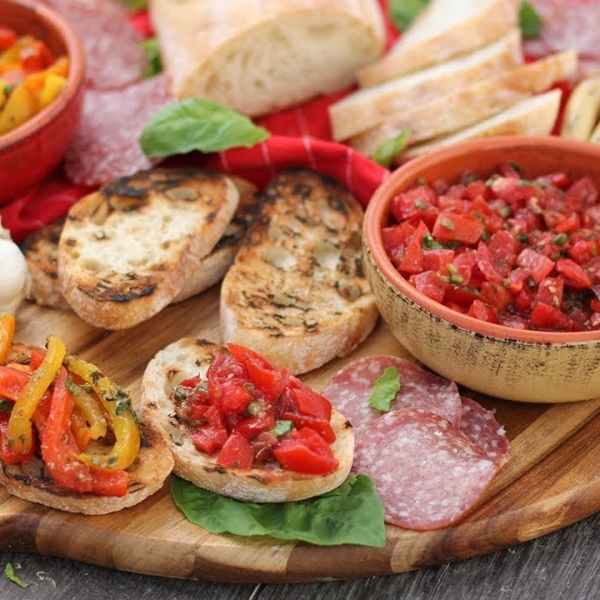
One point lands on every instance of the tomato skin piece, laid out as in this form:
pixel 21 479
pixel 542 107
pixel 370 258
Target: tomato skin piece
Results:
pixel 573 275
pixel 484 312
pixel 306 452
pixel 236 453
pixel 538 265
pixel 545 316
pixel 308 402
pixel 109 482
pixel 412 261
pixel 465 228
pixel 430 284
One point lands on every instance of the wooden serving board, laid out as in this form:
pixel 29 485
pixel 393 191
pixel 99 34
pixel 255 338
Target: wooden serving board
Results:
pixel 551 481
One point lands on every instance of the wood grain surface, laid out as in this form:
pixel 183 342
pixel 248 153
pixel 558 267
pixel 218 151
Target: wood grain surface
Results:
pixel 550 482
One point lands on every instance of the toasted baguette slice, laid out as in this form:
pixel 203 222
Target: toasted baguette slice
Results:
pixel 368 107
pixel 31 482
pixel 533 116
pixel 126 251
pixel 472 103
pixel 189 357
pixel 443 30
pixel 297 49
pixel 296 292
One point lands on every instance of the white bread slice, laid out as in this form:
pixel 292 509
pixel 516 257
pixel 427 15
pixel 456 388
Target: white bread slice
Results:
pixel 443 30
pixel 31 482
pixel 261 56
pixel 188 357
pixel 533 116
pixel 469 104
pixel 368 107
pixel 296 292
pixel 126 250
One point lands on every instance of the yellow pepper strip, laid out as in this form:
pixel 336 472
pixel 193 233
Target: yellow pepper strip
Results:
pixel 115 401
pixel 7 333
pixel 20 433
pixel 91 409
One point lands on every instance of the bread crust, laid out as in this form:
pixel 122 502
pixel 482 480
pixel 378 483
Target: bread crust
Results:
pixel 296 292
pixel 442 32
pixel 126 250
pixel 30 481
pixel 188 357
pixel 297 48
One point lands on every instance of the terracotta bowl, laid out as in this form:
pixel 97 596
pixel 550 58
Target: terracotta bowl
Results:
pixel 528 366
pixel 32 150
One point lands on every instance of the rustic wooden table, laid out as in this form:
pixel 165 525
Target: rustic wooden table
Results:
pixel 564 564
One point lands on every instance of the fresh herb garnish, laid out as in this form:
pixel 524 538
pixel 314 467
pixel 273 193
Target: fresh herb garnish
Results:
pixel 385 389
pixel 530 20
pixel 10 574
pixel 152 49
pixel 198 124
pixel 350 514
pixel 388 150
pixel 404 12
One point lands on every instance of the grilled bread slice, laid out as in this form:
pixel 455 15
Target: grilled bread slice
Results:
pixel 296 292
pixel 189 357
pixel 30 481
pixel 41 254
pixel 126 250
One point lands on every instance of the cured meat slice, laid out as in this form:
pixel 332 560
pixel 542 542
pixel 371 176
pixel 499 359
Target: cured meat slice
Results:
pixel 114 56
pixel 350 388
pixel 106 145
pixel 481 427
pixel 427 472
pixel 568 25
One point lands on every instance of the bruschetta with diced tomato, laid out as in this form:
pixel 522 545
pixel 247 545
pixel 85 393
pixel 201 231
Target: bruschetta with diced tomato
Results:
pixel 242 427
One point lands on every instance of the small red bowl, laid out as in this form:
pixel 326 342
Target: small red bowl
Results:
pixel 522 365
pixel 32 150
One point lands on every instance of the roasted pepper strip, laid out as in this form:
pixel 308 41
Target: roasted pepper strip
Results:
pixel 7 332
pixel 115 401
pixel 58 445
pixel 20 431
pixel 92 411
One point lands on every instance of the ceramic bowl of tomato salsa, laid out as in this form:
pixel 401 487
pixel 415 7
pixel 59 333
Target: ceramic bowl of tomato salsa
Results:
pixel 47 119
pixel 484 258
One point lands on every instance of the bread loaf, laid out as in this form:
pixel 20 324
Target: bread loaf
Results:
pixel 443 30
pixel 260 56
pixel 469 104
pixel 296 292
pixel 368 107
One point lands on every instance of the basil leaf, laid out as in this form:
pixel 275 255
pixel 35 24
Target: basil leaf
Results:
pixel 135 4
pixel 10 574
pixel 198 124
pixel 385 389
pixel 350 514
pixel 386 151
pixel 152 50
pixel 530 20
pixel 404 12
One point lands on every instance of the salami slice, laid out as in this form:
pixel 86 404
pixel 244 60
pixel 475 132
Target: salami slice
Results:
pixel 427 472
pixel 114 56
pixel 480 426
pixel 350 388
pixel 568 25
pixel 106 144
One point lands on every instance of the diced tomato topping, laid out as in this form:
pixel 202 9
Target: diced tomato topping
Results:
pixel 236 453
pixel 505 243
pixel 305 451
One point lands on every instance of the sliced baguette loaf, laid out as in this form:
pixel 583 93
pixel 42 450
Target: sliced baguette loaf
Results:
pixel 369 107
pixel 443 30
pixel 190 357
pixel 296 292
pixel 126 251
pixel 533 116
pixel 469 104
pixel 259 57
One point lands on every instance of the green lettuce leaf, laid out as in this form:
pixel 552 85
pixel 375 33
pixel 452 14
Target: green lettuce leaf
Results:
pixel 385 389
pixel 350 514
pixel 198 124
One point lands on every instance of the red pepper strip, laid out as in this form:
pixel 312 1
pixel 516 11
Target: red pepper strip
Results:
pixel 12 381
pixel 7 454
pixel 58 446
